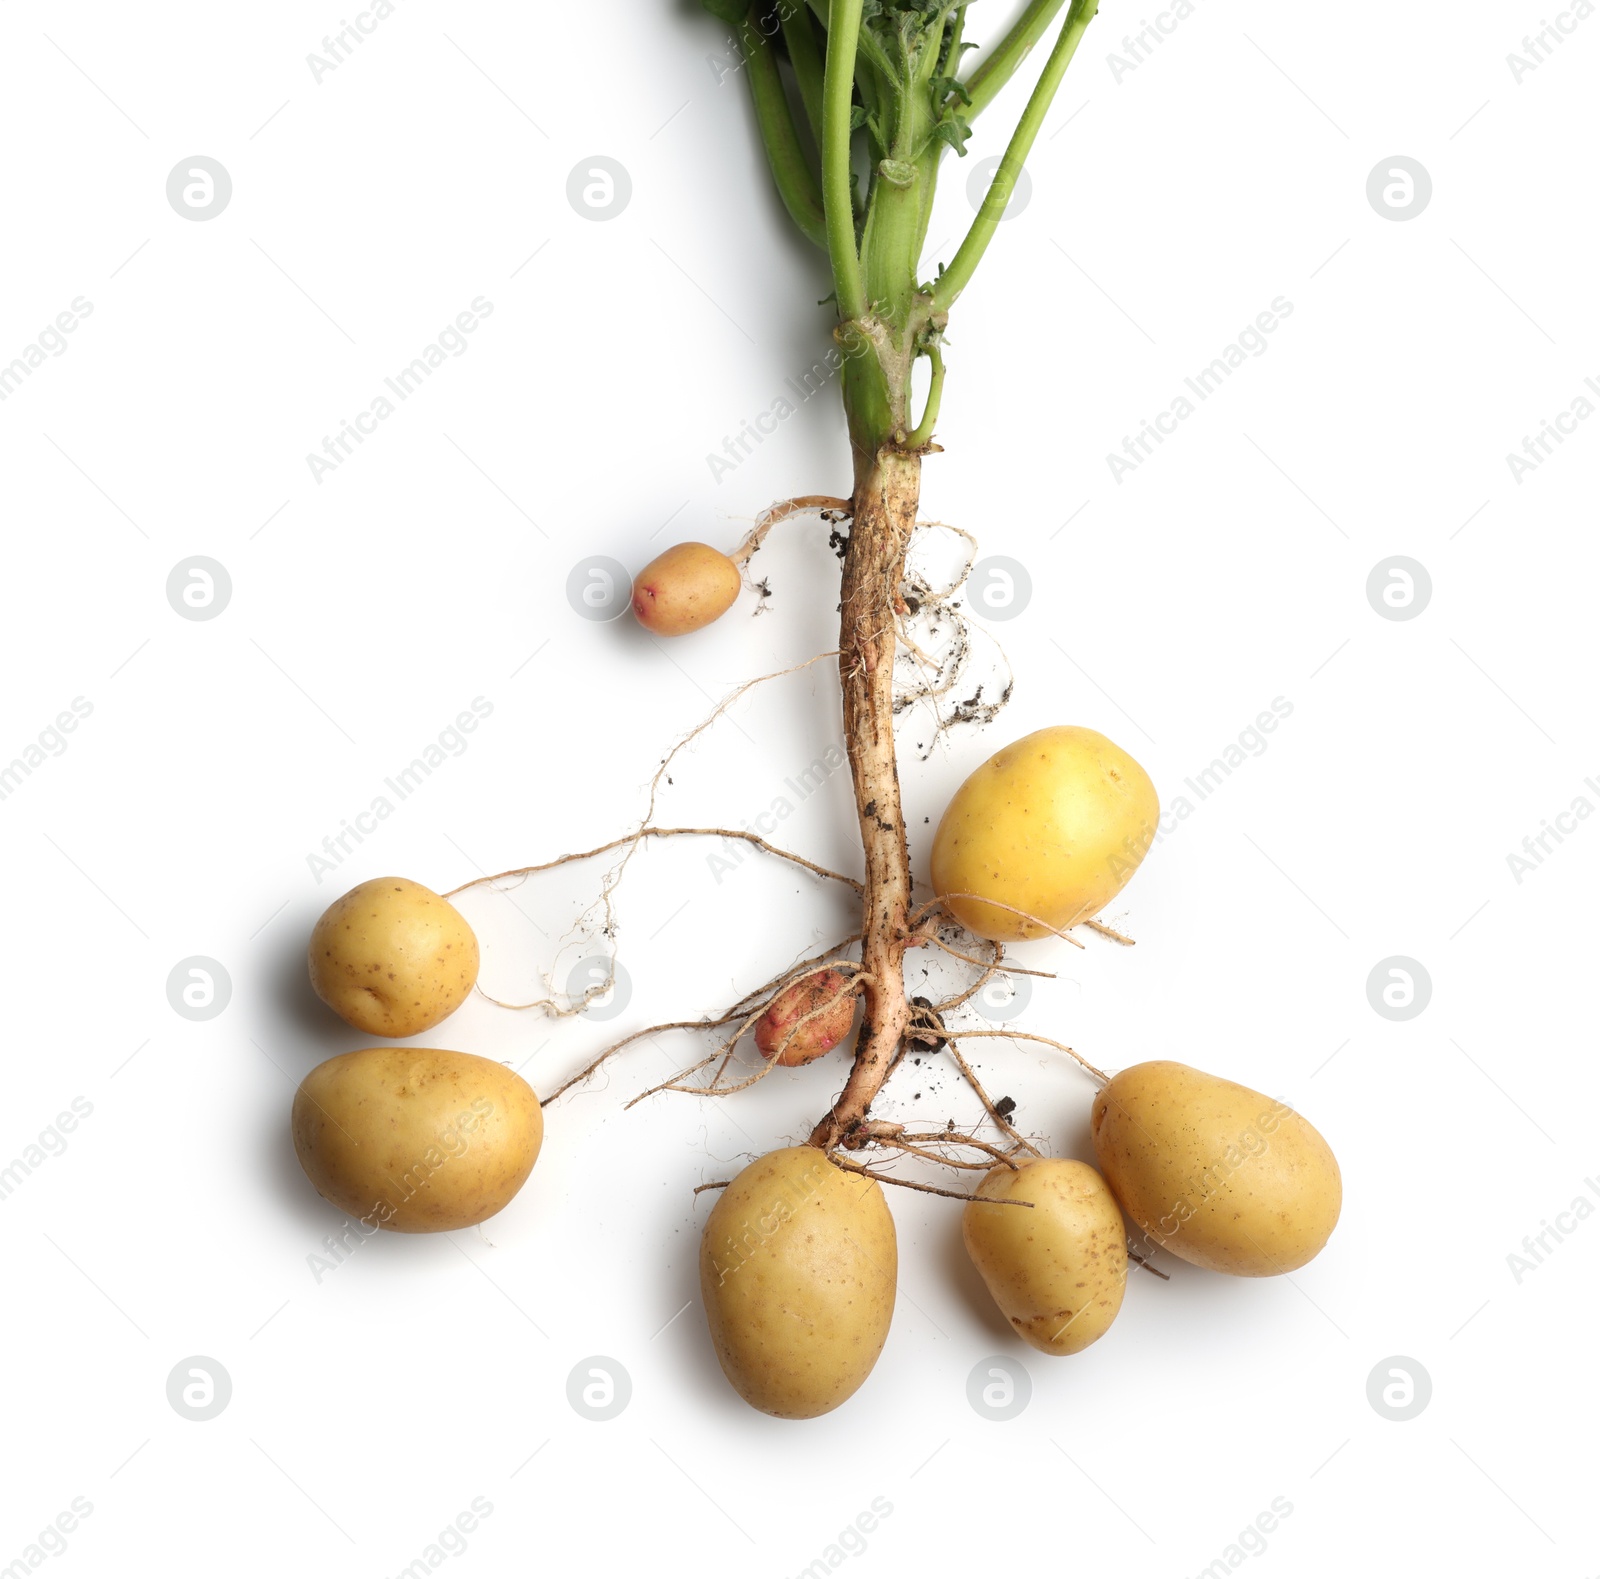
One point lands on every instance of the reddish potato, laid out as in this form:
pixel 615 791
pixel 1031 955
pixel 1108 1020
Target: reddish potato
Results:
pixel 825 990
pixel 684 589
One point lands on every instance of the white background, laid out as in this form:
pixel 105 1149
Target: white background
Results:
pixel 371 1407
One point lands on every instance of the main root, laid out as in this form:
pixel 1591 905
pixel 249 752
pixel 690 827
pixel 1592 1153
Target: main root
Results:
pixel 904 641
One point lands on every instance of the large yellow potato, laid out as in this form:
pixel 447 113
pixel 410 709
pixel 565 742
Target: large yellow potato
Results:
pixel 688 586
pixel 797 1268
pixel 1057 1269
pixel 1215 1172
pixel 392 958
pixel 1052 826
pixel 415 1138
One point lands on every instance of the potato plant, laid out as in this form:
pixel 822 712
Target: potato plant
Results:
pixel 798 1257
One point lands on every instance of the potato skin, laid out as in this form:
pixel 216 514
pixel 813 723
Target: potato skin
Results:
pixel 797 1270
pixel 684 589
pixel 1054 825
pixel 416 1139
pixel 1058 1270
pixel 816 1036
pixel 392 958
pixel 1214 1172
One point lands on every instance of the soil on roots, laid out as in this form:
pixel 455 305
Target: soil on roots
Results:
pixel 883 518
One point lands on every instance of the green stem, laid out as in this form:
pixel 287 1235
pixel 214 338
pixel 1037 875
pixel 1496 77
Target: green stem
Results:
pixel 930 410
pixel 806 59
pixel 844 28
pixel 998 67
pixel 951 49
pixel 791 169
pixel 872 103
pixel 891 239
pixel 958 276
pixel 928 56
pixel 874 55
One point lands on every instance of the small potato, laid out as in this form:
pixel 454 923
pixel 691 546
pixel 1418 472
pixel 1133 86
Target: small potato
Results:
pixel 1057 1269
pixel 392 958
pixel 1052 826
pixel 414 1138
pixel 797 1269
pixel 825 996
pixel 684 589
pixel 1215 1172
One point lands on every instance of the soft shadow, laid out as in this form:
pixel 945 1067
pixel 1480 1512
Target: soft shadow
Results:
pixel 297 1033
pixel 963 1277
pixel 277 1164
pixel 311 1026
pixel 1076 1139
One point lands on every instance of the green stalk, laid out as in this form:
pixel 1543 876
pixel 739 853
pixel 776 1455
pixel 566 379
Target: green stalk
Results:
pixel 952 45
pixel 958 276
pixel 806 58
pixel 844 28
pixel 791 169
pixel 934 45
pixel 930 410
pixel 892 236
pixel 999 66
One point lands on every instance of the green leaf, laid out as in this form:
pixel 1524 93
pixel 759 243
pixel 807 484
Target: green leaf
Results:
pixel 733 12
pixel 953 129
